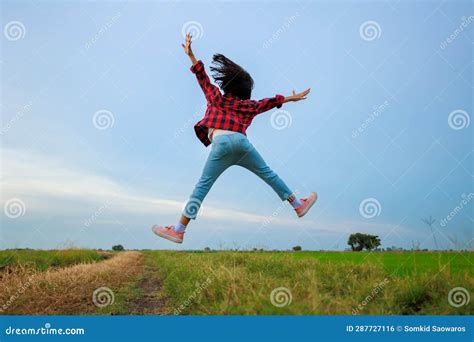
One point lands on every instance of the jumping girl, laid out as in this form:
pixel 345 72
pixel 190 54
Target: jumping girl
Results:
pixel 227 117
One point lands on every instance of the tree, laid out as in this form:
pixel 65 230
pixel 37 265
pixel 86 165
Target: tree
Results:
pixel 207 249
pixel 118 248
pixel 356 241
pixel 373 241
pixel 359 241
pixel 297 248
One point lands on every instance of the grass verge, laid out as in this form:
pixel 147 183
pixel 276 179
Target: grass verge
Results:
pixel 237 283
pixel 42 260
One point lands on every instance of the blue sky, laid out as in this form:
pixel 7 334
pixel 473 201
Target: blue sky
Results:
pixel 386 127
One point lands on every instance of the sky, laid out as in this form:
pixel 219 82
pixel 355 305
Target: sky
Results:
pixel 98 107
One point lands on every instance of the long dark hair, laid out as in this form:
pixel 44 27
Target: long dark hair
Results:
pixel 231 77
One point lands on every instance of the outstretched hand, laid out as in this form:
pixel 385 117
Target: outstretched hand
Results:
pixel 297 96
pixel 187 45
pixel 187 48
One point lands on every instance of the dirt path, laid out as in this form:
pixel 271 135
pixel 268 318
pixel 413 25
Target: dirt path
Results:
pixel 150 299
pixel 103 288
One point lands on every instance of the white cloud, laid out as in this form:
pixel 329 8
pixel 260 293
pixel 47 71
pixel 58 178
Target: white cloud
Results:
pixel 40 178
pixel 41 181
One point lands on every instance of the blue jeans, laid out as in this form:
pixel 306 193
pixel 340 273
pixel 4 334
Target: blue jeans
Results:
pixel 228 150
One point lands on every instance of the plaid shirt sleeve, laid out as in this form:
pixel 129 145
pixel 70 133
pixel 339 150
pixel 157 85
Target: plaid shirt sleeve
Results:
pixel 209 89
pixel 256 107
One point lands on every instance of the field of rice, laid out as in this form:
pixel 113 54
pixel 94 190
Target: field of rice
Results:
pixel 94 282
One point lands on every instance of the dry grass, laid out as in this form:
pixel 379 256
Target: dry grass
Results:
pixel 67 290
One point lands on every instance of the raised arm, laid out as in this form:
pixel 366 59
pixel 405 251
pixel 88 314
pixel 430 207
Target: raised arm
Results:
pixel 297 96
pixel 260 106
pixel 197 68
pixel 188 50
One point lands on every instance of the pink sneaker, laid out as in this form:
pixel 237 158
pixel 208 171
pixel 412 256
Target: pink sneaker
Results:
pixel 306 204
pixel 168 233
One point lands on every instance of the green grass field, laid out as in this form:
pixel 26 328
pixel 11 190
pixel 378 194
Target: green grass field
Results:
pixel 42 260
pixel 318 282
pixel 236 283
pixel 399 262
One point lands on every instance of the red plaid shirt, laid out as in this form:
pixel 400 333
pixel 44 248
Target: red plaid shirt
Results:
pixel 227 112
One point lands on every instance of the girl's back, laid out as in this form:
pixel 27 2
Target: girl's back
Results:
pixel 227 117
